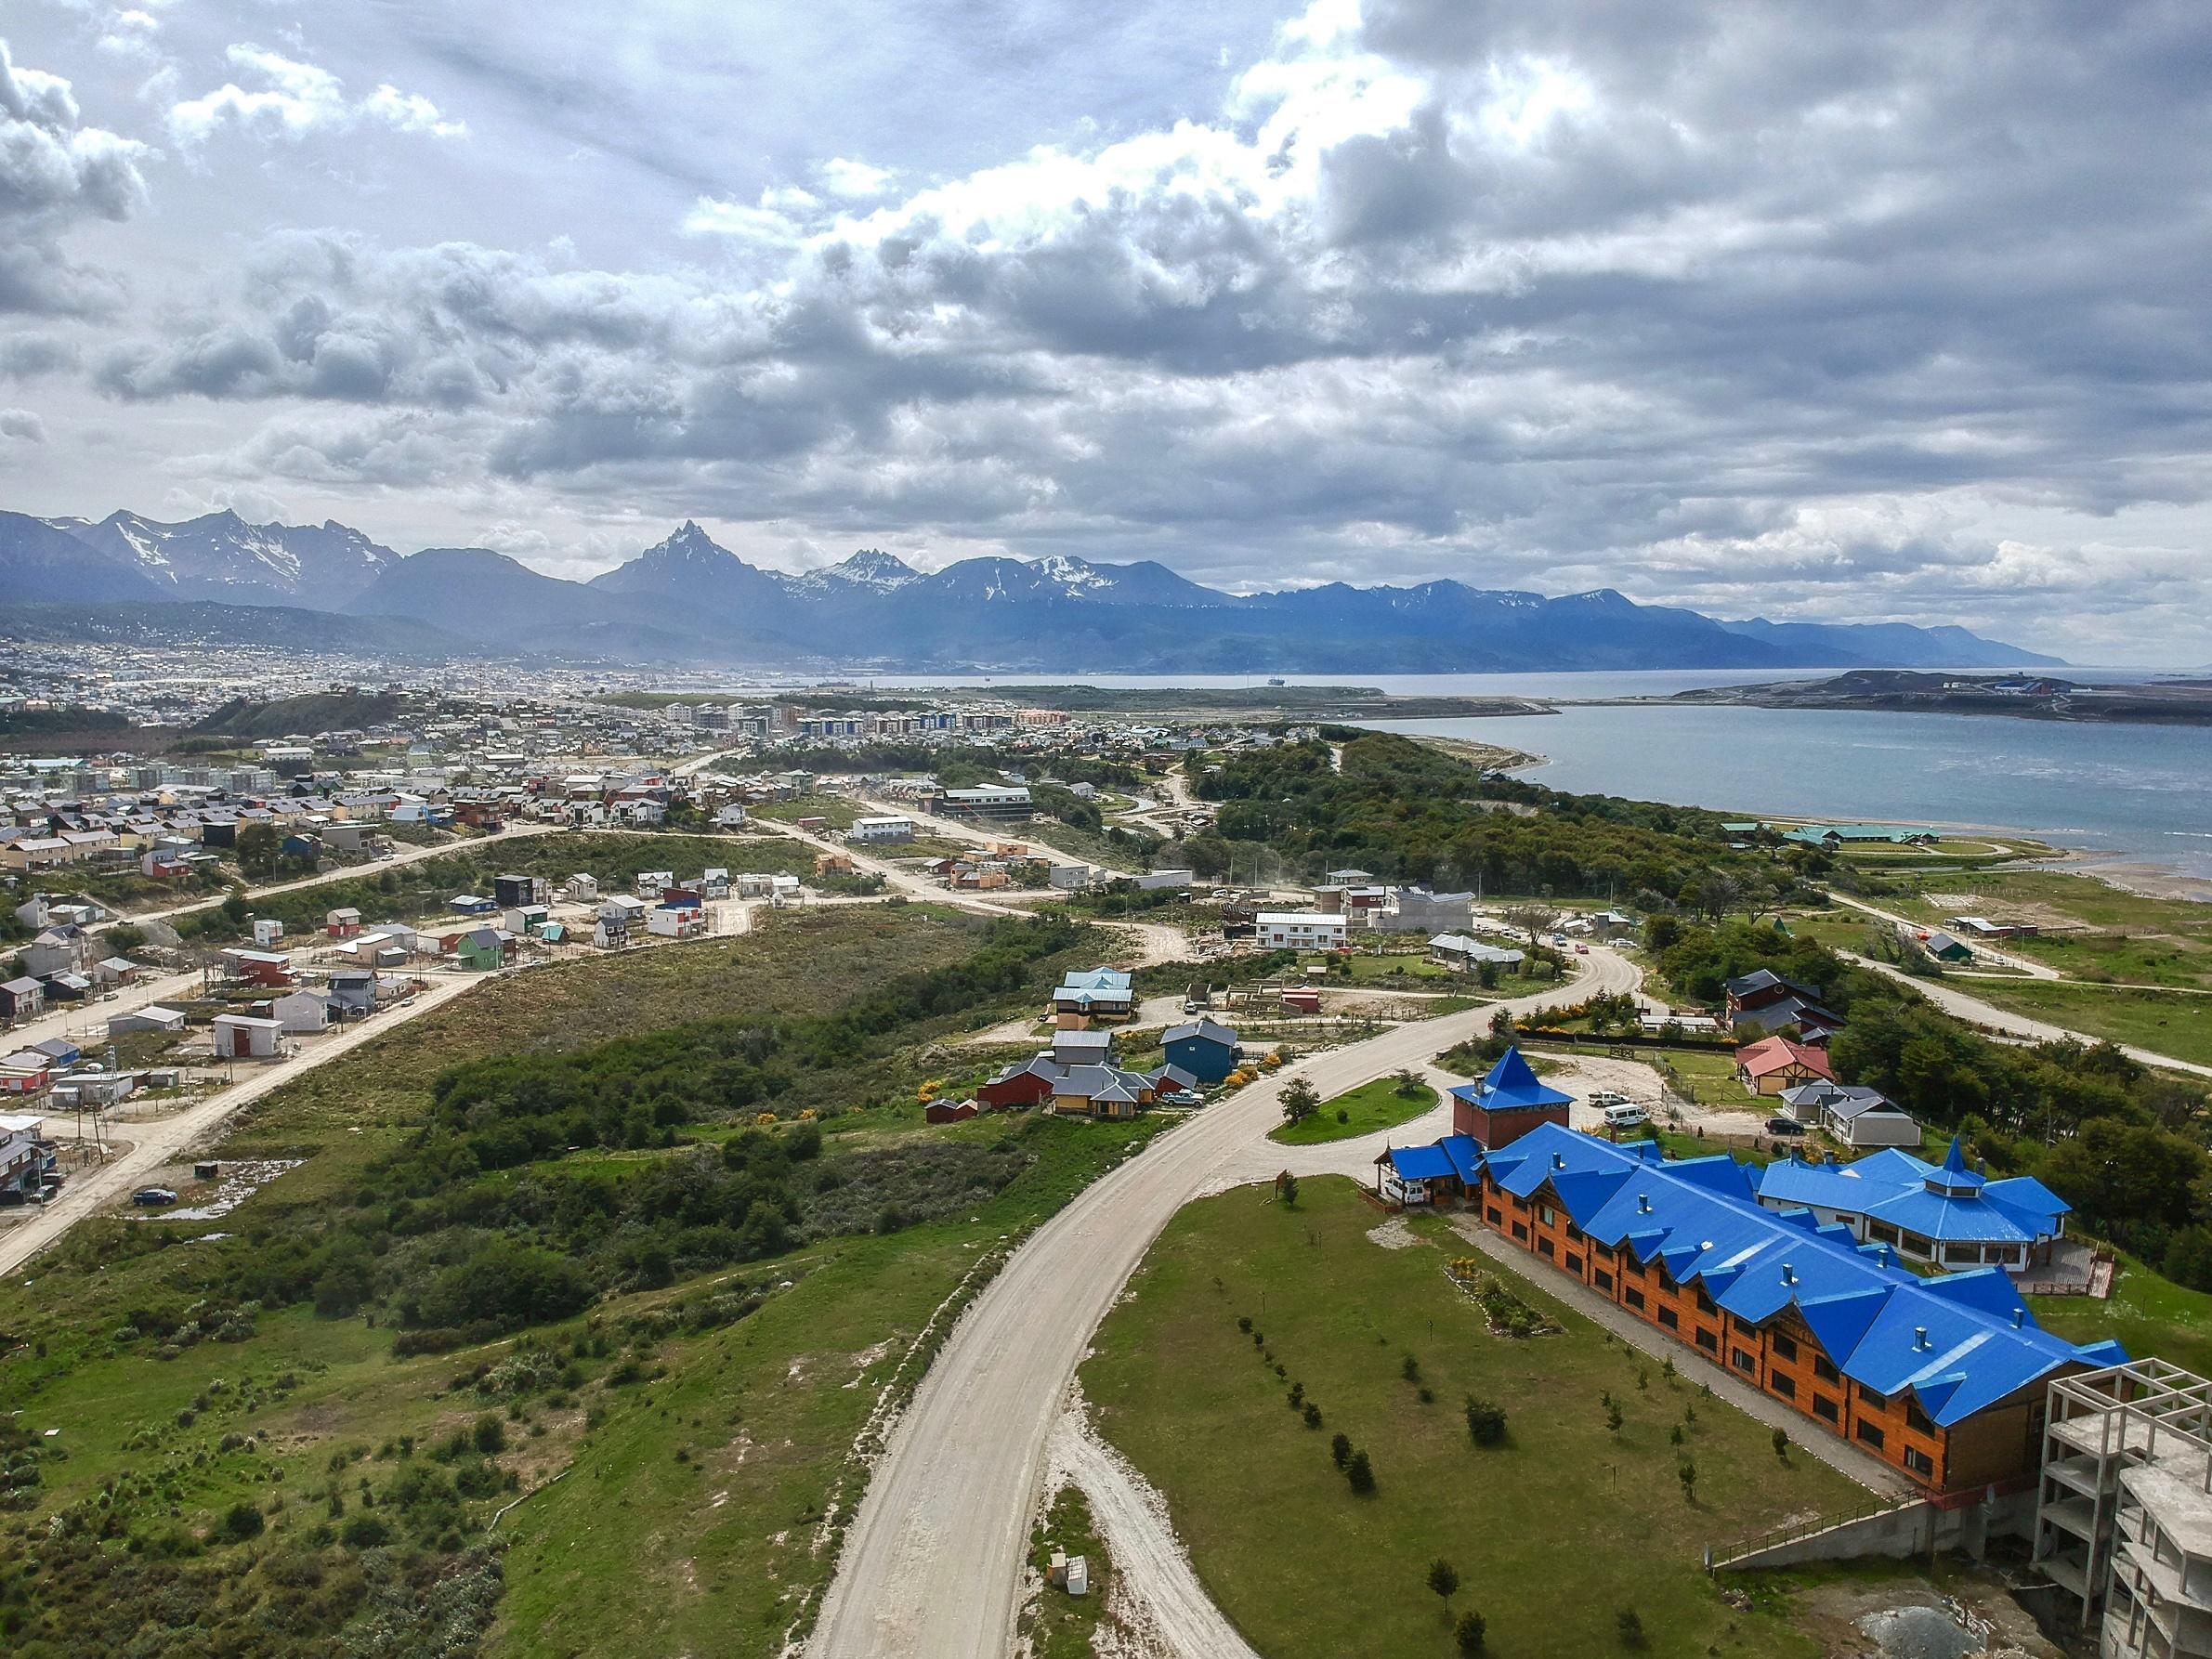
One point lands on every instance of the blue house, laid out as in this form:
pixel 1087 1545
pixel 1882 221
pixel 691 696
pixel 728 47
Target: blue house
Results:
pixel 1942 1214
pixel 1205 1050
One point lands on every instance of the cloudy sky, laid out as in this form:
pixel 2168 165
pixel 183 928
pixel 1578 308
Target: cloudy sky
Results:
pixel 1886 310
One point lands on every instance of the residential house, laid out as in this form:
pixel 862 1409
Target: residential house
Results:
pixel 1468 954
pixel 581 889
pixel 884 827
pixel 994 804
pixel 1859 1117
pixel 1774 1063
pixel 353 991
pixel 246 1037
pixel 22 998
pixel 676 922
pixel 23 1160
pixel 301 1013
pixel 257 967
pixel 343 923
pixel 1299 930
pixel 484 949
pixel 1096 994
pixel 1763 1002
pixel 25 1072
pixel 1202 1049
pixel 152 1017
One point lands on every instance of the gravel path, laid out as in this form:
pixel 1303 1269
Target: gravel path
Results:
pixel 931 1565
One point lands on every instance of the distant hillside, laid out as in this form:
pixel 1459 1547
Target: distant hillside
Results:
pixel 687 600
pixel 312 712
pixel 203 622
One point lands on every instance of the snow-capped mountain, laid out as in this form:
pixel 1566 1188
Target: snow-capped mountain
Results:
pixel 221 556
pixel 871 570
pixel 688 598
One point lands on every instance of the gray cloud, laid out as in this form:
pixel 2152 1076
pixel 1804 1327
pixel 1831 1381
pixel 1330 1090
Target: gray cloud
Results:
pixel 56 172
pixel 1889 312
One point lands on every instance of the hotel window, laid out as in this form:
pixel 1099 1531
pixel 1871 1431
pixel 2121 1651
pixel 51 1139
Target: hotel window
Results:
pixel 1920 1462
pixel 1521 1230
pixel 1917 1420
pixel 1710 1341
pixel 1869 1433
pixel 1573 1233
pixel 1575 1264
pixel 1823 1408
pixel 1496 1216
pixel 1785 1386
pixel 1670 1319
pixel 1543 1247
pixel 1705 1303
pixel 1633 1296
pixel 1825 1368
pixel 1785 1349
pixel 1869 1397
pixel 1603 1279
pixel 1545 1214
pixel 1742 1361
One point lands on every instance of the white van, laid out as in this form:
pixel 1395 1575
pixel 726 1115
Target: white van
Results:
pixel 1626 1114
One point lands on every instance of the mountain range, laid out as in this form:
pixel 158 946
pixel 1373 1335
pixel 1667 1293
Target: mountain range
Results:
pixel 687 600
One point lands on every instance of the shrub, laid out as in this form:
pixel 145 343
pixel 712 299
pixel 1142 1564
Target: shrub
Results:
pixel 1313 1415
pixel 1628 1624
pixel 1469 1632
pixel 490 1435
pixel 366 1532
pixel 1339 1449
pixel 1485 1422
pixel 1444 1578
pixel 241 1521
pixel 1361 1473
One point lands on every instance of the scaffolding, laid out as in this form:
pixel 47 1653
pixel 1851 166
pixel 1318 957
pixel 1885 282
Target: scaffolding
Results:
pixel 2116 1444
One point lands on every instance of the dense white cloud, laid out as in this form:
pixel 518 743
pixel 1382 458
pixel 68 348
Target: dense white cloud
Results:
pixel 292 99
pixel 55 174
pixel 1774 309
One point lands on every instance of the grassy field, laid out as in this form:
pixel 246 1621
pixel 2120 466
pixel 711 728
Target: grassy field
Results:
pixel 2128 937
pixel 696 1457
pixel 1362 1111
pixel 1553 1532
pixel 2176 1023
pixel 833 810
pixel 1397 967
pixel 2149 1315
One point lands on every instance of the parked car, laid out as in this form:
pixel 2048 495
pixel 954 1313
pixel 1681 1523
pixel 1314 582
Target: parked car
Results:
pixel 1581 950
pixel 1784 1126
pixel 1608 1097
pixel 1626 1115
pixel 152 1198
pixel 52 1181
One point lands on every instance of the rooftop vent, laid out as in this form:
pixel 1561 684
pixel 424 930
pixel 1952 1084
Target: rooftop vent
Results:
pixel 1919 1336
pixel 1559 1160
pixel 1789 1273
pixel 1644 1203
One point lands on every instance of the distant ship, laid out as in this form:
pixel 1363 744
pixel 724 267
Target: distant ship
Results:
pixel 1279 680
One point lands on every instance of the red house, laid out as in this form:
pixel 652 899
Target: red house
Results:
pixel 1506 1105
pixel 1019 1086
pixel 948 1111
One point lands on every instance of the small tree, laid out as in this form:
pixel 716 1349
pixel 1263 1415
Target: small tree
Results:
pixel 1339 1449
pixel 1410 1370
pixel 1444 1578
pixel 1628 1622
pixel 1300 1101
pixel 1408 1083
pixel 1613 1415
pixel 1361 1473
pixel 1468 1633
pixel 1485 1422
pixel 1286 1188
pixel 1782 1445
pixel 1313 1415
pixel 1687 1475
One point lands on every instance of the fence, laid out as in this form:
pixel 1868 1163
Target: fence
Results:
pixel 1719 1555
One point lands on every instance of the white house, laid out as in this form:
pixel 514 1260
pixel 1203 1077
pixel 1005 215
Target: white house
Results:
pixel 152 1017
pixel 1299 930
pixel 243 1036
pixel 581 889
pixel 302 1012
pixel 882 827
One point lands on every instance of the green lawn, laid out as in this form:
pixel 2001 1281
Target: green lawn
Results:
pixel 1397 967
pixel 2132 937
pixel 1371 1106
pixel 1552 1533
pixel 833 810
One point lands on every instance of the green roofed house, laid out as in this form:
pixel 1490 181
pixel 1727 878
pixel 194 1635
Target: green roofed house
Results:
pixel 1868 835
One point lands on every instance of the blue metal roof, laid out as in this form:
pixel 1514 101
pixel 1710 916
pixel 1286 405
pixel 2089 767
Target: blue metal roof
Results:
pixel 1962 1342
pixel 1420 1163
pixel 1945 1201
pixel 1511 1086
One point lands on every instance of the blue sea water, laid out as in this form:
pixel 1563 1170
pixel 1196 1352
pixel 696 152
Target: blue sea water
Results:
pixel 2138 792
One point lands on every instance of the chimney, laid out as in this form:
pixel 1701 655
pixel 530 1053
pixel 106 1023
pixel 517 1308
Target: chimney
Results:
pixel 1789 1273
pixel 2017 1315
pixel 1559 1160
pixel 1644 1203
pixel 1919 1336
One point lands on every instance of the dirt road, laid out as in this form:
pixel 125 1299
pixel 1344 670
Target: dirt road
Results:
pixel 166 1140
pixel 1955 1001
pixel 931 1565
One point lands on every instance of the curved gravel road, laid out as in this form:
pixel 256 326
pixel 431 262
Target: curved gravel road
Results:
pixel 931 1565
